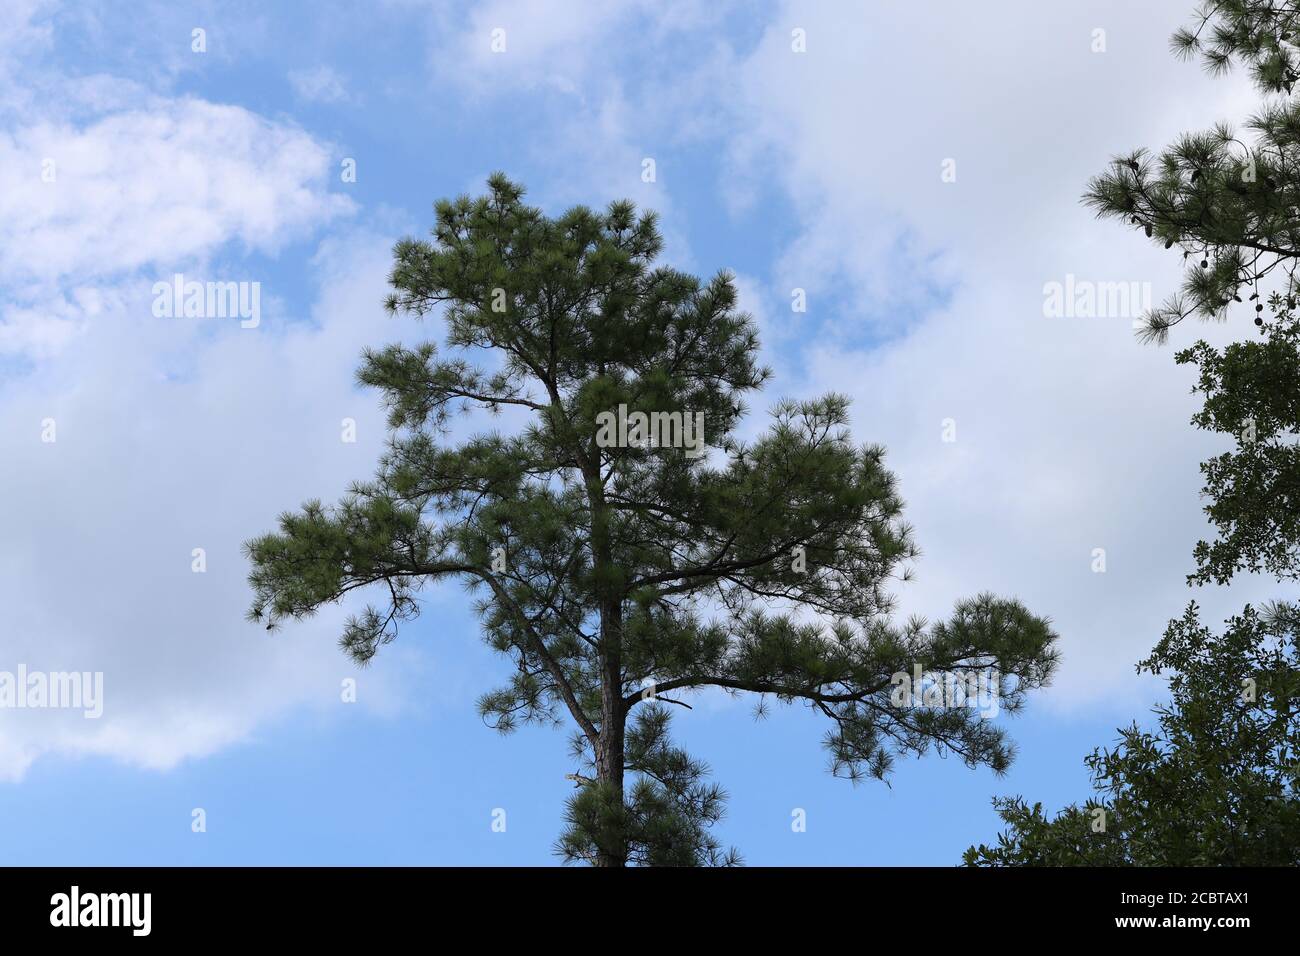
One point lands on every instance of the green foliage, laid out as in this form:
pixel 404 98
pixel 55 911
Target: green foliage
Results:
pixel 1229 207
pixel 1252 394
pixel 664 819
pixel 599 570
pixel 1228 203
pixel 1217 785
pixel 1260 34
pixel 1034 839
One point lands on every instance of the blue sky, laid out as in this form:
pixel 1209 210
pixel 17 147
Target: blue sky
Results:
pixel 818 170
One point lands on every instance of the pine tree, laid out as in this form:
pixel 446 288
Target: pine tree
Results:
pixel 1229 205
pixel 618 571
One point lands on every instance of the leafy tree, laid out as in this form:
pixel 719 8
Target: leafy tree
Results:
pixel 1252 392
pixel 614 578
pixel 1218 784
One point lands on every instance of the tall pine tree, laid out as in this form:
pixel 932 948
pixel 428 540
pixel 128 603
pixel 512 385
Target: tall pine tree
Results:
pixel 618 573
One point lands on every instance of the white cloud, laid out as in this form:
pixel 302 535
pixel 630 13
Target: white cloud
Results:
pixel 319 84
pixel 525 43
pixel 132 195
pixel 574 49
pixel 169 433
pixel 17 27
pixel 147 466
pixel 613 88
pixel 169 180
pixel 1071 436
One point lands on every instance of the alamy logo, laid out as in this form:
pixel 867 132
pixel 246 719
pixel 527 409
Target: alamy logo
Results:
pixel 651 430
pixel 1085 299
pixel 55 690
pixel 945 690
pixel 208 300
pixel 103 909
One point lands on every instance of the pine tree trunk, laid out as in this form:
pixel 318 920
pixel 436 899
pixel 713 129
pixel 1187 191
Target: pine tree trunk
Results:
pixel 609 769
pixel 609 754
pixel 609 749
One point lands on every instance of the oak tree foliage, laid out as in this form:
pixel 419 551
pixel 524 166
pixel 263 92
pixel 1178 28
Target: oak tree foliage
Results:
pixel 1216 783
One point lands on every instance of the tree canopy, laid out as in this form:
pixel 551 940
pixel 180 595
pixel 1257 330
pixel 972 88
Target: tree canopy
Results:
pixel 1228 201
pixel 617 576
pixel 1216 783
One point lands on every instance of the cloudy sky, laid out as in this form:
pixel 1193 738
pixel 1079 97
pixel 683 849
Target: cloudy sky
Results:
pixel 914 168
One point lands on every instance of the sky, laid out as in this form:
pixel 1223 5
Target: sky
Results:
pixel 914 169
